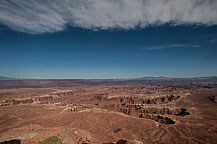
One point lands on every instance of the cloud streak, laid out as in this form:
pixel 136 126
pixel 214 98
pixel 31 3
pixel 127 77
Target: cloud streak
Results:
pixel 170 46
pixel 41 16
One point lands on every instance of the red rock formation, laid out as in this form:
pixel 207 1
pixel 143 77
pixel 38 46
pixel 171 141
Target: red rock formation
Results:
pixel 135 107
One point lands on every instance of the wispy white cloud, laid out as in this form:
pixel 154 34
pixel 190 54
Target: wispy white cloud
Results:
pixel 40 16
pixel 169 46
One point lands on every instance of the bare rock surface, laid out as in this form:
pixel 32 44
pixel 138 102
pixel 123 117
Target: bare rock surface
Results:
pixel 96 112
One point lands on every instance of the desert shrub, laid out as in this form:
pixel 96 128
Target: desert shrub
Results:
pixel 52 140
pixel 117 130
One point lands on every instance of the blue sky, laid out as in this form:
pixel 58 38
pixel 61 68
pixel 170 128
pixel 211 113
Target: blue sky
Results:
pixel 89 49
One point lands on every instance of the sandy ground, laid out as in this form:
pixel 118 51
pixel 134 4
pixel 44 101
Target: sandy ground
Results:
pixel 33 123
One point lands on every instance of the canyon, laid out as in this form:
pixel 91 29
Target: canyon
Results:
pixel 109 111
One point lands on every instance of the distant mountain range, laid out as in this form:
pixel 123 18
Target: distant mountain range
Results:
pixel 163 77
pixel 145 77
pixel 153 77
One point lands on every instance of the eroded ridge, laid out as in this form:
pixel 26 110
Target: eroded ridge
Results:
pixel 142 108
pixel 54 98
pixel 37 100
pixel 154 108
pixel 136 100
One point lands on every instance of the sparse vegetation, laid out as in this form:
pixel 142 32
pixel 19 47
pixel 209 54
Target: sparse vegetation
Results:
pixel 52 140
pixel 117 130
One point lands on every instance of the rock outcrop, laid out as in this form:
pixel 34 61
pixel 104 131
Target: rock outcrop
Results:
pixel 15 141
pixel 135 100
pixel 139 107
pixel 36 100
pixel 213 98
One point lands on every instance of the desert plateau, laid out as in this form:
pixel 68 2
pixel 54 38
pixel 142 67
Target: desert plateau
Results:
pixel 108 71
pixel 136 111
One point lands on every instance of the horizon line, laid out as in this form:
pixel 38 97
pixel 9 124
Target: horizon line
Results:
pixel 143 77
